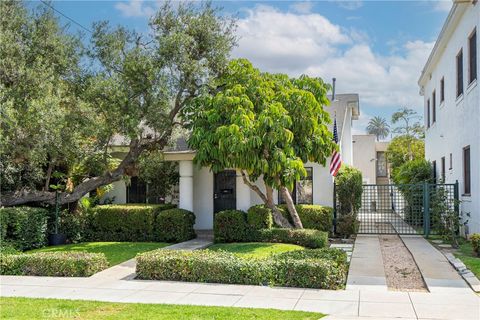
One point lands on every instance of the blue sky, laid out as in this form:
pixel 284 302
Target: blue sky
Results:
pixel 374 48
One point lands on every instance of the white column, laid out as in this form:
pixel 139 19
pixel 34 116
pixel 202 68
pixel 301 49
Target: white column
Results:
pixel 186 185
pixel 243 194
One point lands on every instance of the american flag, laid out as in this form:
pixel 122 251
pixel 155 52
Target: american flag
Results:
pixel 336 161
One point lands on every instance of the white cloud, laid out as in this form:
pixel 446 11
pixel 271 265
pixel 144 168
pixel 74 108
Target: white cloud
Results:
pixel 443 5
pixel 350 4
pixel 309 43
pixel 302 7
pixel 135 8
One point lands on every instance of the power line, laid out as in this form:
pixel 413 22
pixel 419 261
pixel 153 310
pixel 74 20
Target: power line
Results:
pixel 65 16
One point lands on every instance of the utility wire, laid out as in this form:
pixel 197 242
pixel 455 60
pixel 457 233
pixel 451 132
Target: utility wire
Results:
pixel 65 16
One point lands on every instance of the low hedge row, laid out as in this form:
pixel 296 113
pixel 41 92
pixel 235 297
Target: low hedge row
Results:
pixel 56 264
pixel 238 226
pixel 224 267
pixel 139 222
pixel 23 227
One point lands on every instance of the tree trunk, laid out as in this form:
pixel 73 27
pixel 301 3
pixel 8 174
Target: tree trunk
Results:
pixel 49 175
pixel 268 200
pixel 27 196
pixel 291 208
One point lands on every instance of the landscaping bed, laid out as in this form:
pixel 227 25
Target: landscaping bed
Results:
pixel 28 308
pixel 320 268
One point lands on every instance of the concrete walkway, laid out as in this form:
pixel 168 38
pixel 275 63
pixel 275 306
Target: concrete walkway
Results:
pixel 361 299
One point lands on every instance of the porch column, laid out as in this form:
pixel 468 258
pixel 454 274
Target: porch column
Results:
pixel 243 194
pixel 186 185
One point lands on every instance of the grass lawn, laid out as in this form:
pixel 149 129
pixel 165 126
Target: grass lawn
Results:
pixel 116 252
pixel 465 253
pixel 28 308
pixel 255 249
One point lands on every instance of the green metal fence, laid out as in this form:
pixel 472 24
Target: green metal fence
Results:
pixel 406 208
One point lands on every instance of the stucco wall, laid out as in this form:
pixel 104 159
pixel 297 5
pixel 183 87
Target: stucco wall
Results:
pixel 203 197
pixel 364 156
pixel 458 120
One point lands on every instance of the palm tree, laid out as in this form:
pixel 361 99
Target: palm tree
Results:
pixel 379 127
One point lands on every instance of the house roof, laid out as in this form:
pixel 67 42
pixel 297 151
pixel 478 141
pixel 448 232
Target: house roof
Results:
pixel 453 18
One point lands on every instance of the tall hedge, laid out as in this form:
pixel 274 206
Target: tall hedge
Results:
pixel 174 225
pixel 24 227
pixel 126 222
pixel 259 217
pixel 349 189
pixel 229 226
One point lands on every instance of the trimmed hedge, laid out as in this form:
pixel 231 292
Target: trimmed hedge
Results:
pixel 334 254
pixel 174 225
pixel 24 227
pixel 125 222
pixel 259 217
pixel 229 226
pixel 475 239
pixel 224 267
pixel 55 264
pixel 304 237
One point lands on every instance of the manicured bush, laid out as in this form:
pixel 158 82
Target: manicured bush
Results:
pixel 259 217
pixel 316 217
pixel 349 189
pixel 72 224
pixel 126 222
pixel 174 225
pixel 333 254
pixel 304 237
pixel 224 267
pixel 56 264
pixel 229 226
pixel 24 227
pixel 475 239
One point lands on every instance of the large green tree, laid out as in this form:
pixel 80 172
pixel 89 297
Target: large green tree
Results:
pixel 266 126
pixel 63 105
pixel 379 127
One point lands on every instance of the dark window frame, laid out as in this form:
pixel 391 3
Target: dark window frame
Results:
pixel 442 89
pixel 434 170
pixel 467 171
pixel 451 162
pixel 434 106
pixel 428 113
pixel 294 191
pixel 442 169
pixel 459 72
pixel 472 56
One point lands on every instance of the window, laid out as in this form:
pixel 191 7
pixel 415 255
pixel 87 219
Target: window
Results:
pixel 472 57
pixel 434 165
pixel 428 113
pixel 136 191
pixel 442 90
pixel 381 164
pixel 451 162
pixel 302 191
pixel 443 169
pixel 460 73
pixel 434 107
pixel 466 171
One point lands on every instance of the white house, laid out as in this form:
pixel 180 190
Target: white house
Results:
pixel 204 193
pixel 369 156
pixel 449 84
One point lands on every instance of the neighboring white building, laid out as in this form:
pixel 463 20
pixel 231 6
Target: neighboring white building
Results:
pixel 449 84
pixel 204 193
pixel 369 156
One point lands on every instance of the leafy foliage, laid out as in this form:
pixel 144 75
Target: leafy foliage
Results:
pixel 259 217
pixel 224 267
pixel 475 239
pixel 24 227
pixel 53 264
pixel 229 226
pixel 309 238
pixel 403 149
pixel 379 127
pixel 349 189
pixel 266 125
pixel 416 171
pixel 174 225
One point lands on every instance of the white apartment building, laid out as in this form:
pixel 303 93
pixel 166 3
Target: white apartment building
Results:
pixel 449 85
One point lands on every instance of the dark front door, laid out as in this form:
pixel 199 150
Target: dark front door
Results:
pixel 224 191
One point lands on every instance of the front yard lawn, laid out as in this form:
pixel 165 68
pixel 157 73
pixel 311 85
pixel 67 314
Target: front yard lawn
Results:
pixel 465 253
pixel 116 252
pixel 28 308
pixel 256 250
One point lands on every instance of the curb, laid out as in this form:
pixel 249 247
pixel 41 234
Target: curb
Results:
pixel 466 274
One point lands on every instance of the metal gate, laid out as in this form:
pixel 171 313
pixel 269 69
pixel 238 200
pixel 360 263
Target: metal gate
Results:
pixel 405 208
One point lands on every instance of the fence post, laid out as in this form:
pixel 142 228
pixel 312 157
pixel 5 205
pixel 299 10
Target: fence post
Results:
pixel 426 209
pixel 334 207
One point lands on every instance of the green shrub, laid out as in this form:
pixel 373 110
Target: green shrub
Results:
pixel 55 264
pixel 126 222
pixel 259 217
pixel 24 227
pixel 304 237
pixel 174 225
pixel 475 239
pixel 71 224
pixel 347 225
pixel 349 189
pixel 8 248
pixel 316 217
pixel 229 226
pixel 333 254
pixel 224 267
